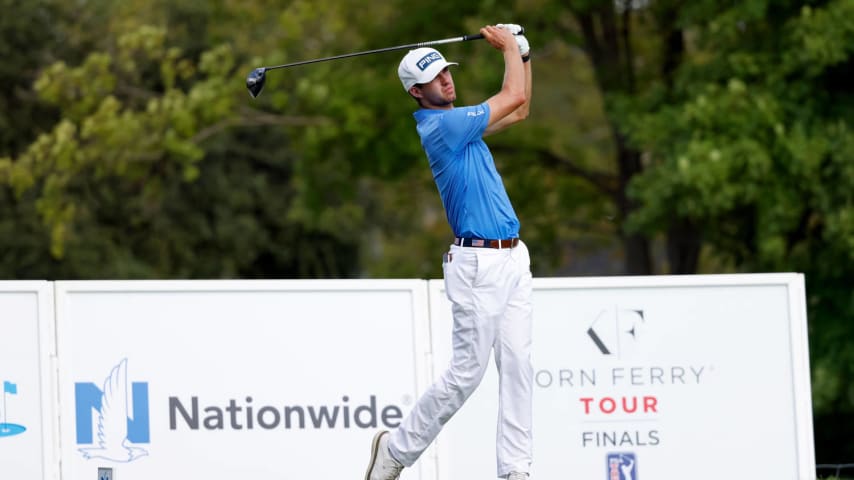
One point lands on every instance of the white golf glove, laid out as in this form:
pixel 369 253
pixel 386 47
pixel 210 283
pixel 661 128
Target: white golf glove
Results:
pixel 524 47
pixel 521 41
pixel 510 27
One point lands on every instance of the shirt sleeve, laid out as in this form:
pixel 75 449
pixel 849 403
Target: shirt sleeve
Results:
pixel 464 125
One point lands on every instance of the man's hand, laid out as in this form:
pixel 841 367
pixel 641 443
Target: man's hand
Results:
pixel 524 46
pixel 499 38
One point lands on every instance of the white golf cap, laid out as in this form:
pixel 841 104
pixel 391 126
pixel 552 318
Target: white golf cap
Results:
pixel 421 66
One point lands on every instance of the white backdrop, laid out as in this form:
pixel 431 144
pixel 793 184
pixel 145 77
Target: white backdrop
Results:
pixel 712 369
pixel 27 427
pixel 704 377
pixel 351 349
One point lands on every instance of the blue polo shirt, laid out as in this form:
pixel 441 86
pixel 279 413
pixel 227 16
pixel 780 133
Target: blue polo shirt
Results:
pixel 472 192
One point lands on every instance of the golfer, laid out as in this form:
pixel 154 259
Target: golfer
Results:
pixel 487 269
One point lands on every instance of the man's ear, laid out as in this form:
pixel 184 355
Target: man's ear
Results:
pixel 415 92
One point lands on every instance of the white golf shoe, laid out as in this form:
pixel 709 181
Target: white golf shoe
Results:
pixel 382 466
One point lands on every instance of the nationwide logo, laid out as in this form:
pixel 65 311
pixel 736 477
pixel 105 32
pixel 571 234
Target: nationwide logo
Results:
pixel 622 466
pixel 248 415
pixel 9 429
pixel 104 417
pixel 614 331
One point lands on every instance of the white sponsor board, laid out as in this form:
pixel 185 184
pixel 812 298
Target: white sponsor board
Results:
pixel 700 377
pixel 27 429
pixel 236 379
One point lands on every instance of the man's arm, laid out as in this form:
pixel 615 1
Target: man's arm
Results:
pixel 512 95
pixel 520 113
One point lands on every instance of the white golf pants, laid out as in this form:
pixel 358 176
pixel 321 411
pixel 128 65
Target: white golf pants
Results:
pixel 490 290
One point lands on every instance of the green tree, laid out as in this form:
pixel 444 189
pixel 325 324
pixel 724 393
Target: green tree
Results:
pixel 157 169
pixel 750 146
pixel 731 143
pixel 328 152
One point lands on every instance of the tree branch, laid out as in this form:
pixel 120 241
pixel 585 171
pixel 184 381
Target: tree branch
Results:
pixel 602 181
pixel 254 118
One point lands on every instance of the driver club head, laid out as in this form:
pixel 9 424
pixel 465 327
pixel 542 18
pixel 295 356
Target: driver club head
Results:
pixel 255 81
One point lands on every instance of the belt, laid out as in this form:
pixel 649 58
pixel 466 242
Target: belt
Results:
pixel 486 243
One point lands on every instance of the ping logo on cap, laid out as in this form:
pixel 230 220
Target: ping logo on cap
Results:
pixel 426 60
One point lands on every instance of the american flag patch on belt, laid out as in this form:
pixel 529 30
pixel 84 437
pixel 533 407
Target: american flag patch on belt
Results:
pixel 476 242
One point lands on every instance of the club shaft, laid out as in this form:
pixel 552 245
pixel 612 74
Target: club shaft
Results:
pixel 464 38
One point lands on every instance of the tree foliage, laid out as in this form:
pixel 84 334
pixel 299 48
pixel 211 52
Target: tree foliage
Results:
pixel 752 148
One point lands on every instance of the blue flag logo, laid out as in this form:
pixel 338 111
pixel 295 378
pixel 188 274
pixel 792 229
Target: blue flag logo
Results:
pixel 9 429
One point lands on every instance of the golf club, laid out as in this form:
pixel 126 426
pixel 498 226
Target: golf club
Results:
pixel 255 79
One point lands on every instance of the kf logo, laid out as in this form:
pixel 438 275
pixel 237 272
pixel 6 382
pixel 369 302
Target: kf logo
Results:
pixel 615 331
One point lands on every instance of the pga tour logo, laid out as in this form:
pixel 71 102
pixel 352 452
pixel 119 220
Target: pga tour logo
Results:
pixel 622 466
pixel 426 60
pixel 112 417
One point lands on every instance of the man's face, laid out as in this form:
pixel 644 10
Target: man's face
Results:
pixel 438 93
